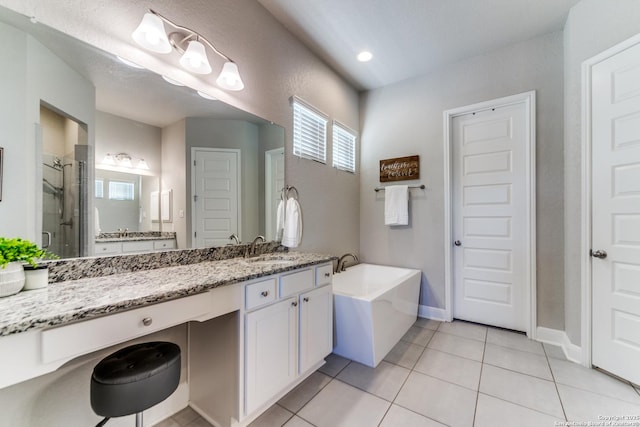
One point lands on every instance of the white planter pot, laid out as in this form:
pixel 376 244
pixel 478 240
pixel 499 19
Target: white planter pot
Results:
pixel 36 277
pixel 11 279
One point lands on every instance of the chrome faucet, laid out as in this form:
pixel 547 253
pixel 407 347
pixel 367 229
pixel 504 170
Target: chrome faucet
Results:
pixel 235 238
pixel 252 249
pixel 340 267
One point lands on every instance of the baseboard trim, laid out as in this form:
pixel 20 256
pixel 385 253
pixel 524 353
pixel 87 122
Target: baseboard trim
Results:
pixel 433 313
pixel 560 338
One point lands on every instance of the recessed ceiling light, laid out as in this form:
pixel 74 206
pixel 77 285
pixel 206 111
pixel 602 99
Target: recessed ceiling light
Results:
pixel 207 96
pixel 172 81
pixel 365 56
pixel 129 63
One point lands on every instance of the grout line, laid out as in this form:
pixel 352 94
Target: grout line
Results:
pixel 484 352
pixel 564 412
pixel 520 405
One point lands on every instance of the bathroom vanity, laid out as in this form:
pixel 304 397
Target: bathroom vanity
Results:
pixel 257 327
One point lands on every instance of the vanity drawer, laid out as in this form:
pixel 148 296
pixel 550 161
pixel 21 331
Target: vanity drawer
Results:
pixel 296 282
pixel 164 244
pixel 260 293
pixel 90 335
pixel 324 274
pixel 137 246
pixel 108 248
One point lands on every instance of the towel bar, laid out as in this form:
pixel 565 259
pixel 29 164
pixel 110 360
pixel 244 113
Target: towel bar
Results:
pixel 422 187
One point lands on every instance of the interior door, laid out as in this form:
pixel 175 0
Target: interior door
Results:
pixel 490 204
pixel 274 183
pixel 615 214
pixel 216 196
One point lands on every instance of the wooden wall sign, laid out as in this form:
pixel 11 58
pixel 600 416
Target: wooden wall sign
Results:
pixel 400 169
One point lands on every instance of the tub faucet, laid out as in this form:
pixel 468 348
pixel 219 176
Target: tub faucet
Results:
pixel 252 249
pixel 235 238
pixel 340 267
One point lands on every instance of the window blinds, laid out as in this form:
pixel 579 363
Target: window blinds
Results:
pixel 344 148
pixel 309 132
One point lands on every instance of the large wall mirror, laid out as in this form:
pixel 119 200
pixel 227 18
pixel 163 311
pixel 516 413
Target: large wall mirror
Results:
pixel 151 157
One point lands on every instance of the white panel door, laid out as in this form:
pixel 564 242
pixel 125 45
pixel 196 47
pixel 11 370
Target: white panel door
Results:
pixel 274 183
pixel 216 196
pixel 490 204
pixel 616 214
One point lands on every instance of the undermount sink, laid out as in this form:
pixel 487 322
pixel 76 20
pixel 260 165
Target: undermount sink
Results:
pixel 271 260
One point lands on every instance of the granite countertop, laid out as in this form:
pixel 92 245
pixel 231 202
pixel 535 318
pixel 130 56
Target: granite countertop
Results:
pixel 86 298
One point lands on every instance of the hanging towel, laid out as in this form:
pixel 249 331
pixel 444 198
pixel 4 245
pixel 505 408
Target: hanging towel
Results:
pixel 292 234
pixel 280 220
pixel 396 205
pixel 96 224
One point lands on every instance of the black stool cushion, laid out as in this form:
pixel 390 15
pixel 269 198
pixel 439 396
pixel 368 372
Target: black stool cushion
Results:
pixel 135 378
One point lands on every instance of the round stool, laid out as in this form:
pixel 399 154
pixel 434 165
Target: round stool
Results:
pixel 134 379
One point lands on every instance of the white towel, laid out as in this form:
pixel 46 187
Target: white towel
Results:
pixel 292 234
pixel 396 205
pixel 280 220
pixel 96 223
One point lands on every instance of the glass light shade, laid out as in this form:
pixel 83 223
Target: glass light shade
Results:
pixel 195 59
pixel 126 162
pixel 207 96
pixel 143 165
pixel 151 35
pixel 229 78
pixel 108 160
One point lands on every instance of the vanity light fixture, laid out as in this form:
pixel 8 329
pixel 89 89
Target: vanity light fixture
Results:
pixel 124 160
pixel 151 35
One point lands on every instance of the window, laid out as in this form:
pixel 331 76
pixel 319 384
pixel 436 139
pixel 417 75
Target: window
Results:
pixel 309 132
pixel 121 190
pixel 344 148
pixel 99 188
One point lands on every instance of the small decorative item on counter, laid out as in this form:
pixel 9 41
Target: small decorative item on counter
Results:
pixel 13 254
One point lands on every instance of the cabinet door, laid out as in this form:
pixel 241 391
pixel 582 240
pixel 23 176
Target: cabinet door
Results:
pixel 316 326
pixel 271 351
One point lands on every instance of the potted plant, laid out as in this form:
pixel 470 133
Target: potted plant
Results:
pixel 14 253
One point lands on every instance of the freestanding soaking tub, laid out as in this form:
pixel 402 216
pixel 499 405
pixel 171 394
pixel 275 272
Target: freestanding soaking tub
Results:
pixel 375 305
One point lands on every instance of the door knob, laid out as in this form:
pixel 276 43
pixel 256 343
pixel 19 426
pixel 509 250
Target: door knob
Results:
pixel 599 254
pixel 457 243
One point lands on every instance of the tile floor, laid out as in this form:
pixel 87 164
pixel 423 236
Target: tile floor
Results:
pixel 451 374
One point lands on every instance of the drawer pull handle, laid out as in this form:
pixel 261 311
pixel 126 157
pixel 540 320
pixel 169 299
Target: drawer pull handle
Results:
pixel 264 293
pixel 147 321
pixel 294 303
pixel 305 299
pixel 327 274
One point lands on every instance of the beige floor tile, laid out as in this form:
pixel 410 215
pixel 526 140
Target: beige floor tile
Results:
pixel 581 405
pixel 513 340
pixel 516 360
pixel 404 354
pixel 169 422
pixel 427 323
pixel 417 335
pixel 384 381
pixel 303 393
pixel 185 416
pixel 554 351
pixel 578 376
pixel 334 364
pixel 525 390
pixel 459 346
pixel 398 416
pixel 296 421
pixel 451 368
pixel 492 412
pixel 199 422
pixel 441 401
pixel 341 405
pixel 275 416
pixel 464 329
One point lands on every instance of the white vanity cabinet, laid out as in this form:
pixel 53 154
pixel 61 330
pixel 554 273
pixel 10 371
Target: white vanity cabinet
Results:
pixel 287 335
pixel 134 246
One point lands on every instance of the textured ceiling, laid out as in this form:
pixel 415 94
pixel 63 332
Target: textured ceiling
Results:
pixel 409 38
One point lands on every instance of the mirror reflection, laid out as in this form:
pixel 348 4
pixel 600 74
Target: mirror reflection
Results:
pixel 232 188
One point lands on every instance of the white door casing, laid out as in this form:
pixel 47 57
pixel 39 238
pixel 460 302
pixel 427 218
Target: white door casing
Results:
pixel 615 211
pixel 215 188
pixel 490 210
pixel 274 183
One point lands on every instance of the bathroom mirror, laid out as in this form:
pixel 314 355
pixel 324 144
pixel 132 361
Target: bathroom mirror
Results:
pixel 137 113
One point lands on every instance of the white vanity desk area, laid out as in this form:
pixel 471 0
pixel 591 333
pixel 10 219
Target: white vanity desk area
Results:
pixel 227 381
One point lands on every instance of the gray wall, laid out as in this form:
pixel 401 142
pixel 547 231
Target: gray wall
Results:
pixel 406 119
pixel 592 27
pixel 174 178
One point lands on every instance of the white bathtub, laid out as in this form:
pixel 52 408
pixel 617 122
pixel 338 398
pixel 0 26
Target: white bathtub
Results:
pixel 375 305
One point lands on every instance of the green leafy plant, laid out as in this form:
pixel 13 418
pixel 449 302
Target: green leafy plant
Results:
pixel 21 250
